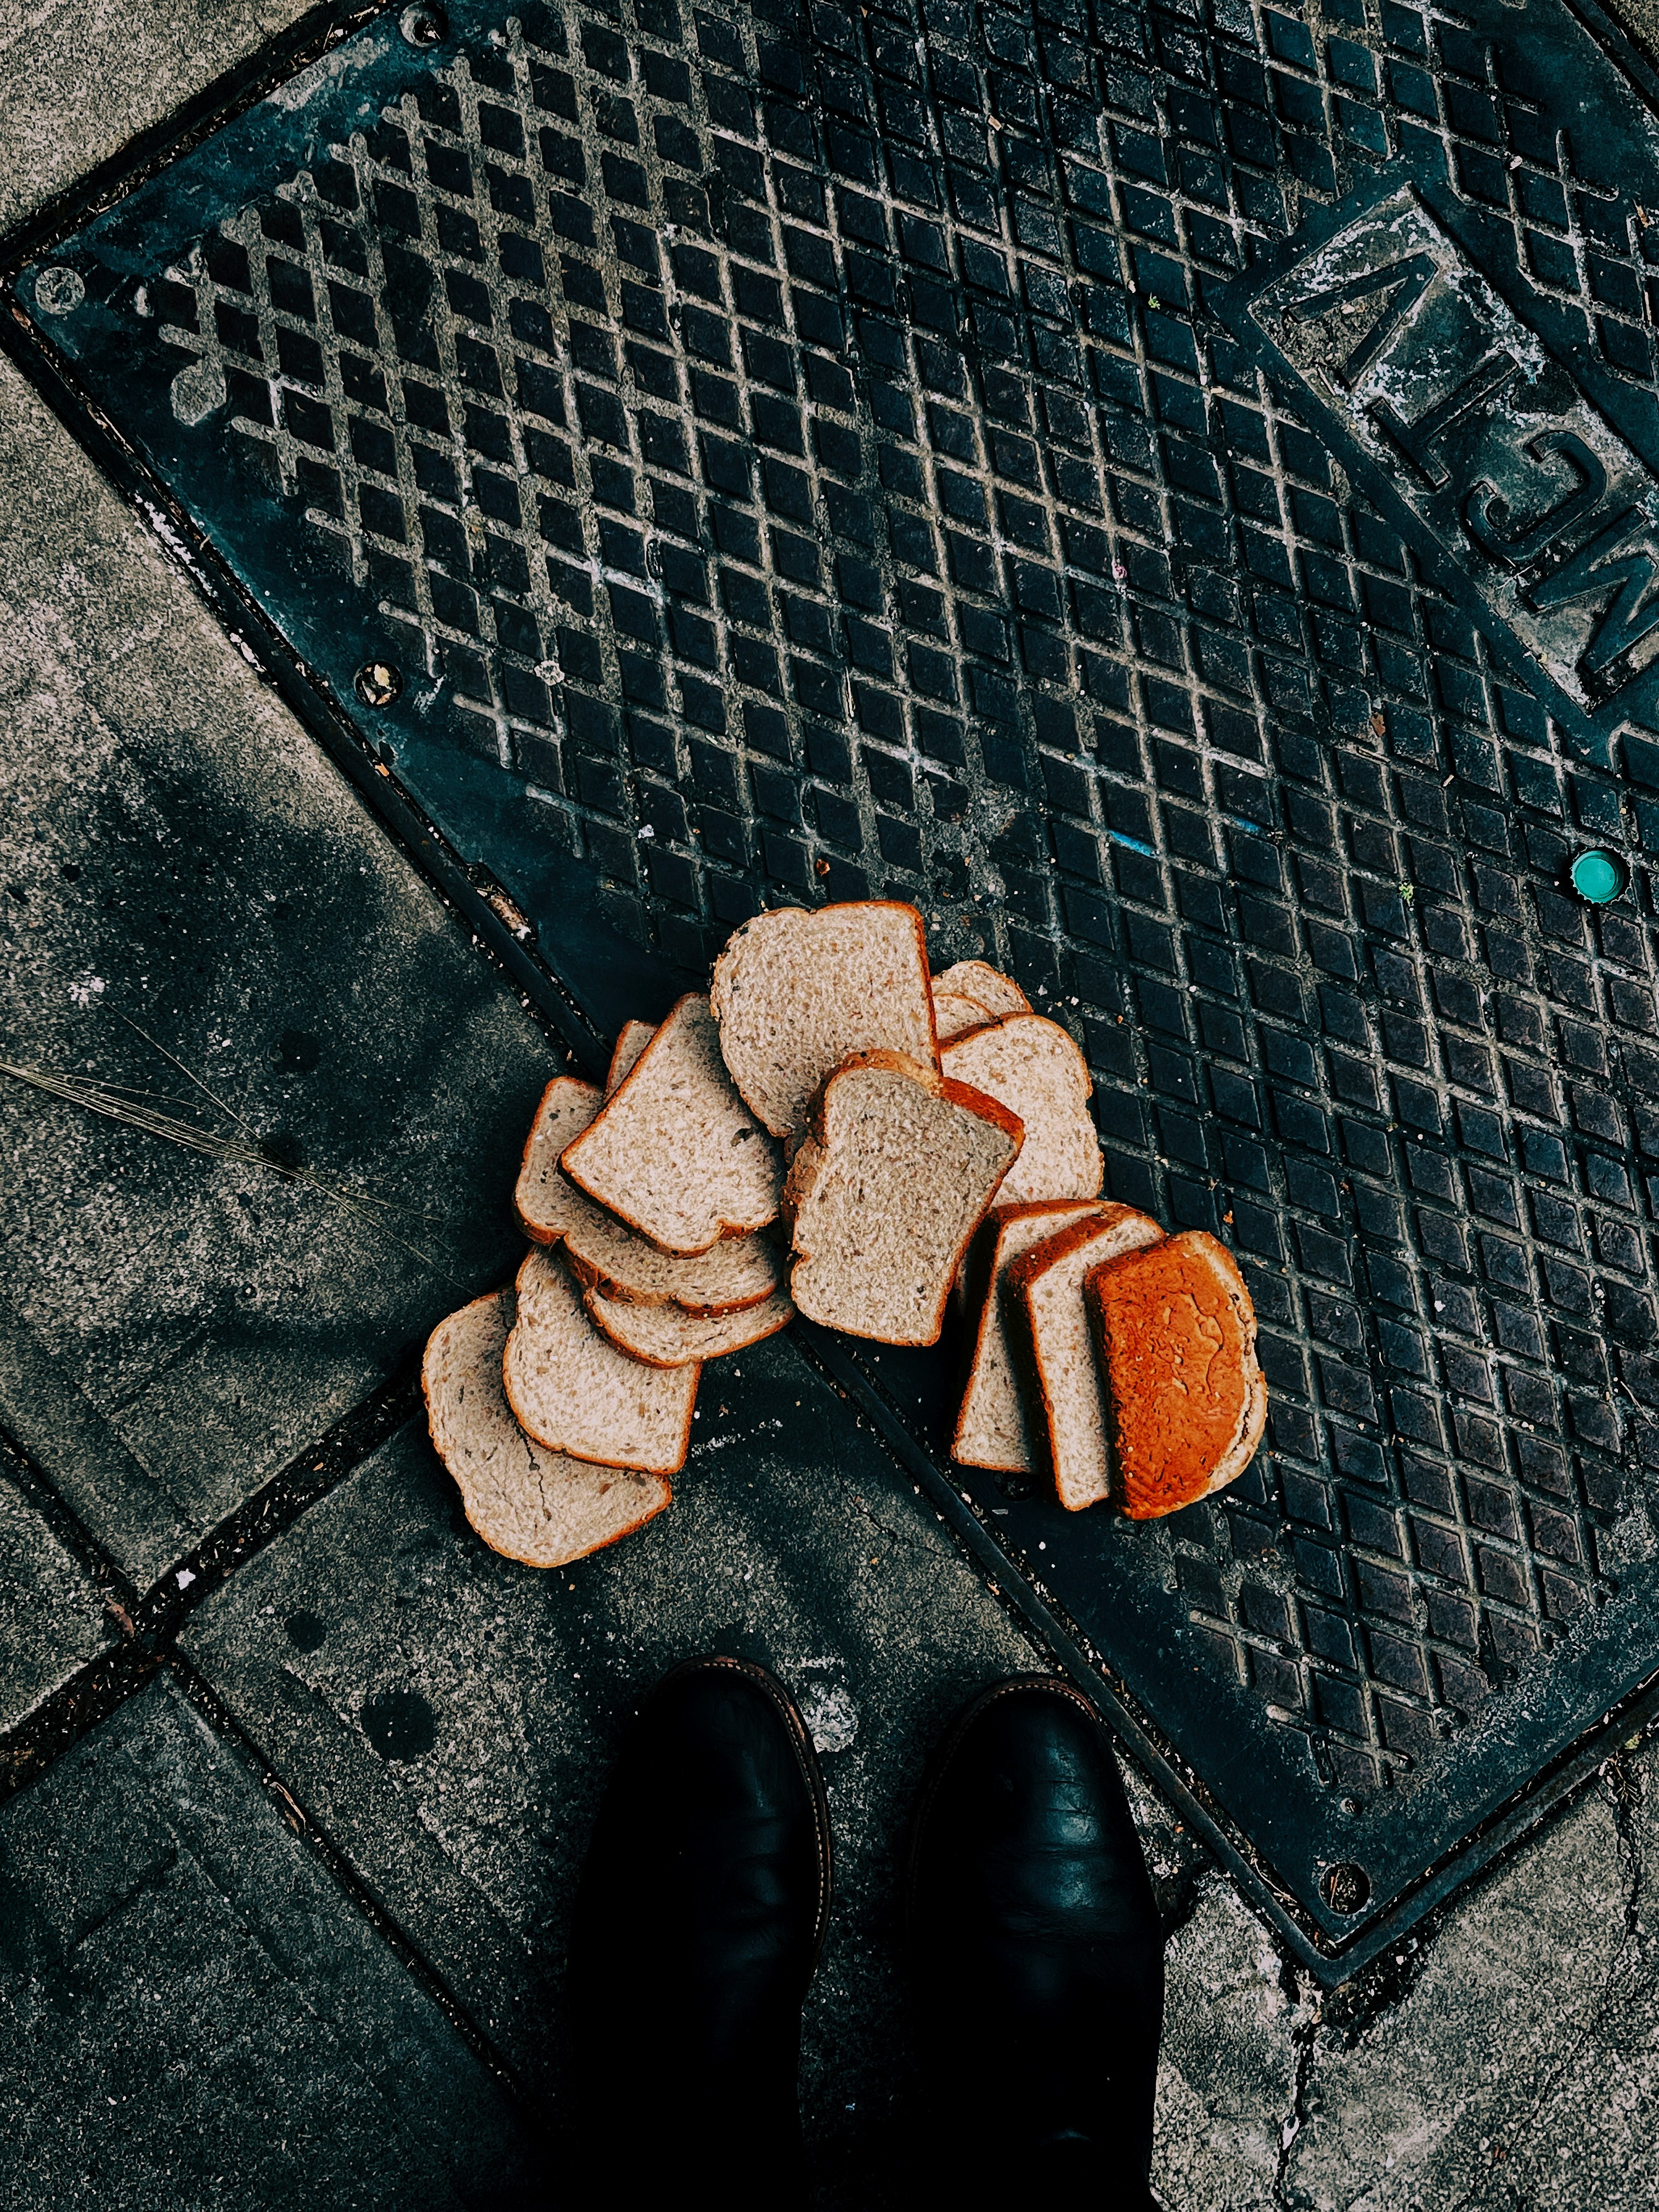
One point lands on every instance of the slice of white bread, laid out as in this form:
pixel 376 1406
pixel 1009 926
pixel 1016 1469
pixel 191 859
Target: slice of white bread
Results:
pixel 955 1016
pixel 797 994
pixel 676 1153
pixel 632 1038
pixel 975 979
pixel 1033 1067
pixel 991 1427
pixel 738 1270
pixel 893 1178
pixel 668 1336
pixel 540 1195
pixel 1048 1330
pixel 1175 1333
pixel 527 1503
pixel 571 1389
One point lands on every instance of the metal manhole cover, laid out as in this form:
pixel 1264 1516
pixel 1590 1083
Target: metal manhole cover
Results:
pixel 1171 490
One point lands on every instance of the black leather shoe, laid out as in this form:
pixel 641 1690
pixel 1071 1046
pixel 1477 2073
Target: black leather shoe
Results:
pixel 698 1922
pixel 1039 1959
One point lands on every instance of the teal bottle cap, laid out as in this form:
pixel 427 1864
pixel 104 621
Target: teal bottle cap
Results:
pixel 1599 876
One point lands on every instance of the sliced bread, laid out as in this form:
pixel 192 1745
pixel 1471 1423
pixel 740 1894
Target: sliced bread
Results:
pixel 738 1271
pixel 668 1336
pixel 976 979
pixel 991 1427
pixel 539 1196
pixel 893 1178
pixel 1048 1330
pixel 1032 1066
pixel 527 1503
pixel 955 1016
pixel 571 1389
pixel 1187 1402
pixel 676 1154
pixel 797 994
pixel 632 1038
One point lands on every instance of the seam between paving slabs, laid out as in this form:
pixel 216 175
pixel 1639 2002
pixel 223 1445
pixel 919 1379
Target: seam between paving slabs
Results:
pixel 304 1824
pixel 149 1622
pixel 149 1626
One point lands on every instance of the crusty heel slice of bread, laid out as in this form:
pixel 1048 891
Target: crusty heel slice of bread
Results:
pixel 1187 1402
pixel 632 1038
pixel 797 994
pixel 527 1502
pixel 955 1016
pixel 676 1154
pixel 1034 1068
pixel 1048 1329
pixel 976 979
pixel 571 1389
pixel 738 1271
pixel 885 1193
pixel 991 1428
pixel 668 1336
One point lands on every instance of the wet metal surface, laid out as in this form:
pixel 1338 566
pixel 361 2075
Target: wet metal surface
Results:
pixel 1168 490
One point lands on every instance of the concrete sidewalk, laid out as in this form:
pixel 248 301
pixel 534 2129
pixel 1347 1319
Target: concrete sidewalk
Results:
pixel 287 1923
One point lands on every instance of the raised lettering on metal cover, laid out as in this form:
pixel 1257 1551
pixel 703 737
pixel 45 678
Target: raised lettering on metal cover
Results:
pixel 1484 436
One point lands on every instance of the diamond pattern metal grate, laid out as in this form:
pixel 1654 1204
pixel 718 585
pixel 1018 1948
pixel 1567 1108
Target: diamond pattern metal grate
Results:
pixel 801 462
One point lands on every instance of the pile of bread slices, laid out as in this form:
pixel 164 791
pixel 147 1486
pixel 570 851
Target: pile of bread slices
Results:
pixel 833 1131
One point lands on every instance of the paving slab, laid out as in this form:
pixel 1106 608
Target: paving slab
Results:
pixel 79 79
pixel 1508 2060
pixel 448 1716
pixel 1518 2067
pixel 177 854
pixel 1227 2069
pixel 218 2025
pixel 54 1615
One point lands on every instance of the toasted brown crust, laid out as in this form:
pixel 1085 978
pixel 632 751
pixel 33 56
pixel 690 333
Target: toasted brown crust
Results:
pixel 983 1296
pixel 1180 1431
pixel 1022 1337
pixel 592 1275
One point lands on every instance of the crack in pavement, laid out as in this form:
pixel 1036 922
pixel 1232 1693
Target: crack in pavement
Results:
pixel 1622 1791
pixel 1303 2041
pixel 1509 2181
